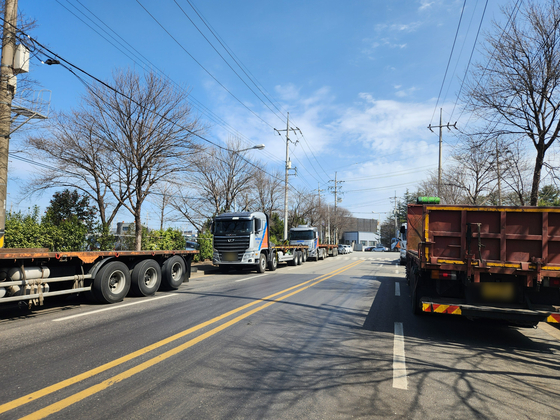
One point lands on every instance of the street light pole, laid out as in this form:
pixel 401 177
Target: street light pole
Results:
pixel 257 147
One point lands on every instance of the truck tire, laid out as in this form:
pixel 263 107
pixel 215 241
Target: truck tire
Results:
pixel 321 254
pixel 273 263
pixel 145 278
pixel 261 268
pixel 173 272
pixel 111 283
pixel 415 293
pixel 293 261
pixel 304 255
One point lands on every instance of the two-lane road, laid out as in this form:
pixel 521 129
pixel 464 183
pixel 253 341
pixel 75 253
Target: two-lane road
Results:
pixel 328 339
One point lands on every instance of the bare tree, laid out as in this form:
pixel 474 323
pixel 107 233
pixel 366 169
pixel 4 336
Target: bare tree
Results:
pixel 161 199
pixel 472 170
pixel 519 85
pixel 449 193
pixel 148 130
pixel 218 178
pixel 123 141
pixel 268 190
pixel 76 158
pixel 517 173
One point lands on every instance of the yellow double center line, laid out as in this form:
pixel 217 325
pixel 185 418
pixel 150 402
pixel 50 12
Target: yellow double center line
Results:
pixel 53 408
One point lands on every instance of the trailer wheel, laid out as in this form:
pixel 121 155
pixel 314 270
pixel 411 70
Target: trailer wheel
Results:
pixel 321 255
pixel 173 272
pixel 273 263
pixel 111 283
pixel 415 295
pixel 145 278
pixel 300 258
pixel 304 256
pixel 261 268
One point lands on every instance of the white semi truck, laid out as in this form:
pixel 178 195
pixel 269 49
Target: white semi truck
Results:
pixel 309 236
pixel 242 240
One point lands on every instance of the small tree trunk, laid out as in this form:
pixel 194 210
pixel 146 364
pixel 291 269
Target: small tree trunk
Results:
pixel 537 175
pixel 138 232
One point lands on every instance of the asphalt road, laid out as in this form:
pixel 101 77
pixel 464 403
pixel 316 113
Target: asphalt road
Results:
pixel 332 339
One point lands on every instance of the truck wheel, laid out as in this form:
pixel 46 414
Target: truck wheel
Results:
pixel 111 283
pixel 299 258
pixel 334 252
pixel 304 256
pixel 415 297
pixel 145 278
pixel 273 263
pixel 293 261
pixel 261 268
pixel 321 255
pixel 173 272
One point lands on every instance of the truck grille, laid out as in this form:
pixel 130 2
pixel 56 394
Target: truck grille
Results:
pixel 238 244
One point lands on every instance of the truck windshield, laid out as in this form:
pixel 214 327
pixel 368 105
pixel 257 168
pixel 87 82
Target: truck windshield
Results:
pixel 224 227
pixel 301 235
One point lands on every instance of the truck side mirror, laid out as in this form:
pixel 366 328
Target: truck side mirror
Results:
pixel 258 225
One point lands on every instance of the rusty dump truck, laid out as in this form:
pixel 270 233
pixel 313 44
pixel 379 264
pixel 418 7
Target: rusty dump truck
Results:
pixel 485 262
pixel 30 275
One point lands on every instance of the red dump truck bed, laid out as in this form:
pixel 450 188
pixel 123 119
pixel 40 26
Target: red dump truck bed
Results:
pixel 496 262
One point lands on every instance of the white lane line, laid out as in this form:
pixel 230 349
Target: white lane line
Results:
pixel 251 278
pixel 113 307
pixel 396 271
pixel 397 289
pixel 399 366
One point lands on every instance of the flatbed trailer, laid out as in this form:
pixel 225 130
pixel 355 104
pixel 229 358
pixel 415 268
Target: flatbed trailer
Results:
pixel 485 262
pixel 330 250
pixel 30 275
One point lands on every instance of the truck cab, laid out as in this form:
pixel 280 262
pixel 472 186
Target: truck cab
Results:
pixel 306 235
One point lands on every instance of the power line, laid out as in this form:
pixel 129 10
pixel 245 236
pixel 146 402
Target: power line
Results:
pixel 449 60
pixel 201 66
pixel 146 62
pixel 228 64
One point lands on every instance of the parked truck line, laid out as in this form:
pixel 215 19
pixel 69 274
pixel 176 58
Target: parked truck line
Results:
pixel 242 240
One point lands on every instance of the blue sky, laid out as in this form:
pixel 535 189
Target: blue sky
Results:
pixel 359 78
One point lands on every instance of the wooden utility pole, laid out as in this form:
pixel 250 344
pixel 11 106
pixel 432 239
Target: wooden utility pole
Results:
pixel 6 96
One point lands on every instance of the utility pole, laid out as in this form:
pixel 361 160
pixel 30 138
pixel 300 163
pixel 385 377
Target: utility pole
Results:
pixel 396 222
pixel 335 190
pixel 6 96
pixel 440 126
pixel 319 190
pixel 288 167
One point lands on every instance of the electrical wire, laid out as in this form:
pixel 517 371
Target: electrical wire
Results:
pixel 201 66
pixel 449 60
pixel 146 62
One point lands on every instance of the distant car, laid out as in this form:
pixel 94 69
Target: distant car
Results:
pixel 349 249
pixel 368 249
pixel 342 249
pixel 379 248
pixel 192 246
